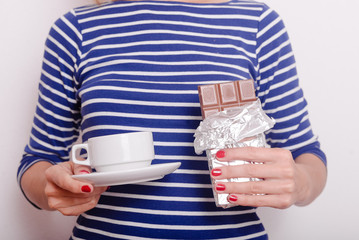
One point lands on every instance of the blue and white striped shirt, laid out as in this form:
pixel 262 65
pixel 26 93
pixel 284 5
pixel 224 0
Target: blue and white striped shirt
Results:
pixel 135 66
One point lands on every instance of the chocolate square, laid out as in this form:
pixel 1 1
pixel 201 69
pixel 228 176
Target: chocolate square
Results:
pixel 246 91
pixel 223 96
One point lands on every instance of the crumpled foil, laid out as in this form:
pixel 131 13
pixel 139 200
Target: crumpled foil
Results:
pixel 239 127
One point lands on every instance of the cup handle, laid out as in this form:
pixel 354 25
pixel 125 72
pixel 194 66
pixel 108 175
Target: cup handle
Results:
pixel 73 153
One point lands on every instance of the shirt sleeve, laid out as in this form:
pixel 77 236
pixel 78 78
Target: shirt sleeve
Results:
pixel 279 90
pixel 57 118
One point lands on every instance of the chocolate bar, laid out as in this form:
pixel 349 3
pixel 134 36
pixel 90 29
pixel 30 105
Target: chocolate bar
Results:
pixel 243 126
pixel 224 96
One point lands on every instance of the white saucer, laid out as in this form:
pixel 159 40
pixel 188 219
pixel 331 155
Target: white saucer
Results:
pixel 153 172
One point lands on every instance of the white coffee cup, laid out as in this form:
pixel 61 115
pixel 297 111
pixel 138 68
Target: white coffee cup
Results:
pixel 117 152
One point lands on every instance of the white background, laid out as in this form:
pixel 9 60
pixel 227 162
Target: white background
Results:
pixel 325 40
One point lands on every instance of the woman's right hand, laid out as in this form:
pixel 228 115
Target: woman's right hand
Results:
pixel 69 196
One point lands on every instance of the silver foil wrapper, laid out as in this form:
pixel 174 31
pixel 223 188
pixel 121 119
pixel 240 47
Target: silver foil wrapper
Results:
pixel 240 127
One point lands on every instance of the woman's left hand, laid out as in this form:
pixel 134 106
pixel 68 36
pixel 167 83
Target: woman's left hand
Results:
pixel 284 183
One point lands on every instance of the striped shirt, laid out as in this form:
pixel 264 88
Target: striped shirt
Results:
pixel 135 66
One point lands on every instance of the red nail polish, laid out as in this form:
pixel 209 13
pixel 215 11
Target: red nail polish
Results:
pixel 233 198
pixel 220 187
pixel 86 188
pixel 216 172
pixel 220 154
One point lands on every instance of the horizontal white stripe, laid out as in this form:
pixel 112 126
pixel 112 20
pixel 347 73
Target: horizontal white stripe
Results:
pixel 241 5
pixel 180 157
pixel 109 234
pixel 57 68
pixel 302 144
pixel 72 27
pixel 171 227
pixel 41 152
pixel 162 198
pixel 54 115
pixel 278 72
pixel 268 27
pixel 295 135
pixel 175 185
pixel 56 92
pixel 57 80
pixel 281 96
pixel 68 39
pixel 187 24
pixel 265 14
pixel 291 117
pixel 169 13
pixel 289 129
pixel 122 236
pixel 47 145
pixel 172 42
pixel 62 48
pixel 277 85
pixel 50 136
pixel 162 53
pixel 56 104
pixel 140 116
pixel 274 51
pixel 137 90
pixel 51 125
pixel 170 32
pixel 301 133
pixel 193 172
pixel 142 103
pixel 61 61
pixel 158 63
pixel 285 106
pixel 174 144
pixel 138 129
pixel 275 64
pixel 175 213
pixel 270 40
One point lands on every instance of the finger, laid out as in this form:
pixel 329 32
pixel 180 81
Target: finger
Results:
pixel 78 209
pixel 60 175
pixel 64 202
pixel 275 201
pixel 247 171
pixel 256 187
pixel 81 169
pixel 253 154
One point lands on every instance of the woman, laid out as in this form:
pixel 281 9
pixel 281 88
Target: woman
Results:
pixel 135 66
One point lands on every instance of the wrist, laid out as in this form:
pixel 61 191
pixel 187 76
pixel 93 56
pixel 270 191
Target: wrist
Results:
pixel 311 178
pixel 303 186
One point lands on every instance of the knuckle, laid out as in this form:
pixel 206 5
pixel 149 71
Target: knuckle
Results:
pixel 285 202
pixel 288 172
pixel 255 188
pixel 251 170
pixel 53 204
pixel 289 187
pixel 251 152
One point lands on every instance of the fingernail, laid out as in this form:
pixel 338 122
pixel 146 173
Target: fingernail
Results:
pixel 86 188
pixel 216 172
pixel 220 154
pixel 232 198
pixel 220 187
pixel 84 172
